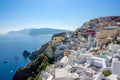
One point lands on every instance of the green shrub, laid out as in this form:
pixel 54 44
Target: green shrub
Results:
pixel 108 42
pixel 39 78
pixel 118 42
pixel 45 65
pixel 106 73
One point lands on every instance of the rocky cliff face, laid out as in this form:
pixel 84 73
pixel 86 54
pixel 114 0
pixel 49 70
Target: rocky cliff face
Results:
pixel 25 72
pixel 22 74
pixel 99 23
pixel 44 46
pixel 102 21
pixel 59 34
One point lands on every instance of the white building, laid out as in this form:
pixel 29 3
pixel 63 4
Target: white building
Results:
pixel 88 75
pixel 96 61
pixel 46 76
pixel 64 61
pixel 113 77
pixel 104 47
pixel 115 66
pixel 118 52
pixel 64 74
pixel 118 37
pixel 83 58
pixel 113 49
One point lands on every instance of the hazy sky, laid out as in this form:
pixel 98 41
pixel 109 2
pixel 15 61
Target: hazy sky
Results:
pixel 63 14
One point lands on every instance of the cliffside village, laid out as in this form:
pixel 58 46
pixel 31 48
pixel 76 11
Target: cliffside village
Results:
pixel 86 54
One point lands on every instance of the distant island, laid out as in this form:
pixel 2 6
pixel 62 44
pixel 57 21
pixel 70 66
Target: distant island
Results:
pixel 34 31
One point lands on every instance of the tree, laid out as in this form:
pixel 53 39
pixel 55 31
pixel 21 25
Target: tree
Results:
pixel 53 50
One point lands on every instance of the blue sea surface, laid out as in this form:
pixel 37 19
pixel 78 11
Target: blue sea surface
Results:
pixel 11 48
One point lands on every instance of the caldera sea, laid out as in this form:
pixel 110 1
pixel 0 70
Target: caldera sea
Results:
pixel 11 48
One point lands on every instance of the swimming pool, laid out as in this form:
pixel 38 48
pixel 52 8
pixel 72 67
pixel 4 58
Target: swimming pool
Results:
pixel 103 56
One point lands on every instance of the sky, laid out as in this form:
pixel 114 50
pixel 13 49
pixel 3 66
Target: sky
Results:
pixel 59 14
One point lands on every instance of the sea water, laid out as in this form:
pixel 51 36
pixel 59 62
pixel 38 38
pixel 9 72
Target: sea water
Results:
pixel 11 48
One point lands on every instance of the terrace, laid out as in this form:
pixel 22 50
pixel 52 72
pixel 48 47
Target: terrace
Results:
pixel 96 69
